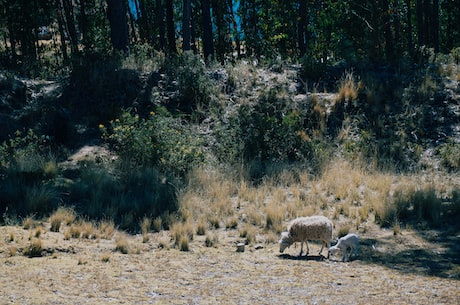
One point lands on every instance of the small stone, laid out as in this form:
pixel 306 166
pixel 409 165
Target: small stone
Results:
pixel 240 247
pixel 258 246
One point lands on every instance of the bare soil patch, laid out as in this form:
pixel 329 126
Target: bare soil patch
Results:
pixel 408 268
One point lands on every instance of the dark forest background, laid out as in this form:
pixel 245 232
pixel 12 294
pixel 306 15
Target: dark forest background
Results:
pixel 326 32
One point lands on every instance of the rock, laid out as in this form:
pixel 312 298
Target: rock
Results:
pixel 240 247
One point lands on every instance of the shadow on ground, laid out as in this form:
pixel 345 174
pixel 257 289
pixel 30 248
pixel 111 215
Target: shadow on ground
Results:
pixel 302 258
pixel 441 259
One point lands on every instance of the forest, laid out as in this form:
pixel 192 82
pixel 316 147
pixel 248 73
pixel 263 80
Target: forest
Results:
pixel 159 91
pixel 325 32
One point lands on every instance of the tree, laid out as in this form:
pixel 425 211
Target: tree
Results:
pixel 170 27
pixel 208 45
pixel 186 25
pixel 302 27
pixel 116 12
pixel 70 24
pixel 161 23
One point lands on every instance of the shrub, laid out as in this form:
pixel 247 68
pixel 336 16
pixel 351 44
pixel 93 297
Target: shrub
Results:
pixel 182 233
pixel 122 244
pixel 187 74
pixel 272 130
pixel 145 228
pixel 64 215
pixel 107 229
pixel 28 169
pixel 450 155
pixel 407 205
pixel 211 240
pixel 159 141
pixel 427 206
pixel 35 248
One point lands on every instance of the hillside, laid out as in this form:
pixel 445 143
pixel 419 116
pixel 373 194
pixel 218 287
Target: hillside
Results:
pixel 134 183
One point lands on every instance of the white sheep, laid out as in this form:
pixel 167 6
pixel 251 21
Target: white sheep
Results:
pixel 348 241
pixel 303 229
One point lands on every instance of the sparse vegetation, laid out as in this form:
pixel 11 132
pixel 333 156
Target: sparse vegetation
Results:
pixel 122 244
pixel 35 248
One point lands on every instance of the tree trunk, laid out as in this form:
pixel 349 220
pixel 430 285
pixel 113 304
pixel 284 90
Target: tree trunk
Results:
pixel 387 30
pixel 409 26
pixel 170 27
pixel 161 24
pixel 208 45
pixel 133 27
pixel 11 32
pixel 420 24
pixel 26 32
pixel 435 25
pixel 143 17
pixel 70 22
pixel 186 25
pixel 62 31
pixel 301 40
pixel 118 25
pixel 83 23
pixel 236 34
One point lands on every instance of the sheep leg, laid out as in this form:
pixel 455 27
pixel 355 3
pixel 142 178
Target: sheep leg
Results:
pixel 308 249
pixel 301 248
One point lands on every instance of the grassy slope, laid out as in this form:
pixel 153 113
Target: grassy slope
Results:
pixel 407 264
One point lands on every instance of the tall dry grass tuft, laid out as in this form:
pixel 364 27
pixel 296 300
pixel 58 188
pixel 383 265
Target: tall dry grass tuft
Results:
pixel 106 229
pixel 35 248
pixel 88 230
pixel 182 233
pixel 29 223
pixel 145 225
pixel 122 243
pixel 64 215
pixel 348 88
pixel 274 216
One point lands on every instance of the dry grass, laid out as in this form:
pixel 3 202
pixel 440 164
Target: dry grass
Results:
pixel 29 223
pixel 34 248
pixel 62 215
pixel 107 229
pixel 182 233
pixel 393 262
pixel 145 225
pixel 122 243
pixel 348 88
pixel 389 269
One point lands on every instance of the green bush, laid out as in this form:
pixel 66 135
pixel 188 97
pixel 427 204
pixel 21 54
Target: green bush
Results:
pixel 27 171
pixel 159 141
pixel 272 130
pixel 187 75
pixel 450 155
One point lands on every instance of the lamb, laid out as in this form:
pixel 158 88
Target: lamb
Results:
pixel 348 241
pixel 303 229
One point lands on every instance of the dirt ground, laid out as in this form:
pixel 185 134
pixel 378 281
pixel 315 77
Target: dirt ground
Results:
pixel 404 269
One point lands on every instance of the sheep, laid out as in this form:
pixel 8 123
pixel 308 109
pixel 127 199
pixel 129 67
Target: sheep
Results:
pixel 348 241
pixel 303 229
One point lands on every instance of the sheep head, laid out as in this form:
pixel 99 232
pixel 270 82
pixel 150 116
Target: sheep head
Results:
pixel 333 250
pixel 285 241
